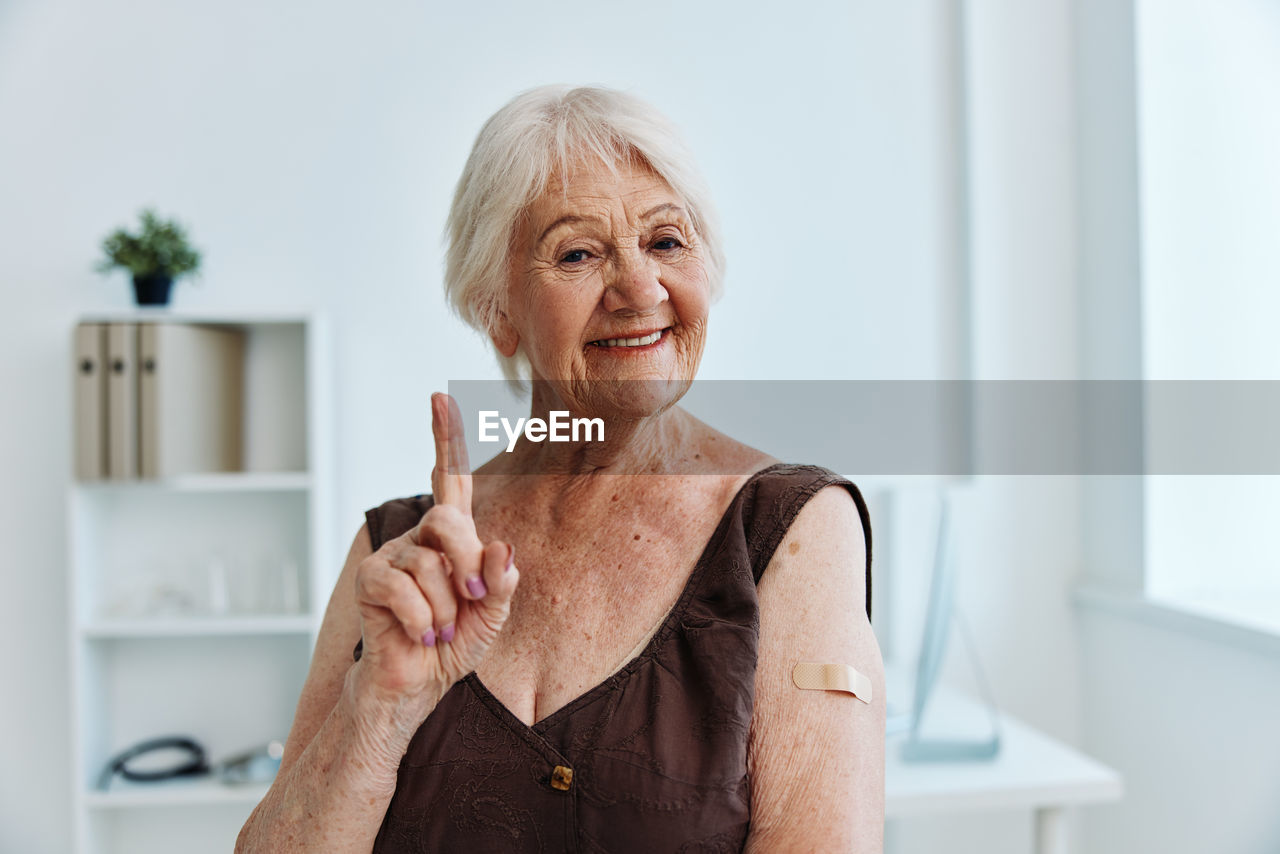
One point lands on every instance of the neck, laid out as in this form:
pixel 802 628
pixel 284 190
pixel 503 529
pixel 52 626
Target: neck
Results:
pixel 630 445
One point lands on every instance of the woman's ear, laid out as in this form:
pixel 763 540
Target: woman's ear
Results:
pixel 504 335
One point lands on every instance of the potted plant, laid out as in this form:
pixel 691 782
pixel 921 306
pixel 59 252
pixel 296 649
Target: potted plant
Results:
pixel 155 257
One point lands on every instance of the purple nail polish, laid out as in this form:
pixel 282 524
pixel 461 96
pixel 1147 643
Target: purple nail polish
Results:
pixel 429 637
pixel 476 587
pixel 446 634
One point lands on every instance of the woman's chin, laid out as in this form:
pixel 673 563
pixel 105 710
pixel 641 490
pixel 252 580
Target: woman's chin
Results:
pixel 632 387
pixel 635 399
pixel 622 398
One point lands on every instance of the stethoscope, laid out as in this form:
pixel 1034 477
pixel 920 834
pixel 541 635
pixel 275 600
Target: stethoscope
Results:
pixel 253 766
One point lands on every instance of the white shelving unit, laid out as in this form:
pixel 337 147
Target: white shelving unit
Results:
pixel 195 600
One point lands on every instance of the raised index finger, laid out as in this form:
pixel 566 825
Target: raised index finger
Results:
pixel 451 477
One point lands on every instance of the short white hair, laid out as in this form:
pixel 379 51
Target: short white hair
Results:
pixel 537 135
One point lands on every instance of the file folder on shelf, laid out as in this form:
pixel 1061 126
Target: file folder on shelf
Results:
pixel 90 401
pixel 190 399
pixel 122 401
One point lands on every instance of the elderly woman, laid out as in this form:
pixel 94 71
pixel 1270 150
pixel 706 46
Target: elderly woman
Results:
pixel 560 654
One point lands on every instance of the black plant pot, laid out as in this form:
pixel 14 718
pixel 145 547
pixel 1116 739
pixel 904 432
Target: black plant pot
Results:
pixel 152 289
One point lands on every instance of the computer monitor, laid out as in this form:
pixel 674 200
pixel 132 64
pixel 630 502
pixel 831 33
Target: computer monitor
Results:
pixel 933 648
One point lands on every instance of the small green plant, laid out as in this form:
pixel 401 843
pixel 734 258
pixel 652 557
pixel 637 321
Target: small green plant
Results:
pixel 160 250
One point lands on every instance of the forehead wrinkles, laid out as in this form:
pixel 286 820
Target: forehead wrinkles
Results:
pixel 588 181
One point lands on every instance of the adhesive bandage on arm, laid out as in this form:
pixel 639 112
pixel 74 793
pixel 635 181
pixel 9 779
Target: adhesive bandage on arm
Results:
pixel 812 676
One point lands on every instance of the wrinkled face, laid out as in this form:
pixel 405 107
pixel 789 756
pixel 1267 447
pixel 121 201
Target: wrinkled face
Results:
pixel 608 292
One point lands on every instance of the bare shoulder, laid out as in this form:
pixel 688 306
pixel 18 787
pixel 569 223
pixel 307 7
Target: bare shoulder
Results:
pixel 823 550
pixel 720 453
pixel 832 519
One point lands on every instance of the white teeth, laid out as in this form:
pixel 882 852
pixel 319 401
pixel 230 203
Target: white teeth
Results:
pixel 631 342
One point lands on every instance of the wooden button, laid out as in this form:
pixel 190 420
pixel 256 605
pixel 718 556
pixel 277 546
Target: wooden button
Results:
pixel 561 778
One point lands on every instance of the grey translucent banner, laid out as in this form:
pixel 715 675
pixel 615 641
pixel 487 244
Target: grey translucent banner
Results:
pixel 948 428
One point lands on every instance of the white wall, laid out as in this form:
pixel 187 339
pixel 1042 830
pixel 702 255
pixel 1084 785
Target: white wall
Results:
pixel 1017 537
pixel 1185 713
pixel 311 148
pixel 1190 722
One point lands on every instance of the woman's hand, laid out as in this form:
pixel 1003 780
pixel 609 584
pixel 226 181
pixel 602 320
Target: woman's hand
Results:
pixel 433 600
pixel 430 604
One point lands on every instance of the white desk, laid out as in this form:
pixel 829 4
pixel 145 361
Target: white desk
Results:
pixel 1032 771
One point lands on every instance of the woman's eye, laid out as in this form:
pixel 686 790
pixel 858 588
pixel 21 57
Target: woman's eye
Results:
pixel 577 256
pixel 667 244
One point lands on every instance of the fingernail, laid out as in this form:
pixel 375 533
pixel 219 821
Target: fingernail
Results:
pixel 511 557
pixel 446 634
pixel 429 637
pixel 476 587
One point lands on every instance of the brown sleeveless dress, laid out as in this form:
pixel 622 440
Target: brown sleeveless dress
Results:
pixel 653 759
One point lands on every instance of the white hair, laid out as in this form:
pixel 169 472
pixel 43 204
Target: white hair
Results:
pixel 537 135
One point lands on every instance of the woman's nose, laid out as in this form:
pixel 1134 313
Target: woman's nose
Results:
pixel 634 284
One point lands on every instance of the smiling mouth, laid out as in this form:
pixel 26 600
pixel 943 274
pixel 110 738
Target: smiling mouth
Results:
pixel 640 341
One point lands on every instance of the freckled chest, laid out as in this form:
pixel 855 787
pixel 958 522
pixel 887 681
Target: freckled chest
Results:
pixel 595 582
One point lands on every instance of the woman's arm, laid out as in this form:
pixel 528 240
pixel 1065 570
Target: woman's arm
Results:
pixel 817 757
pixel 339 766
pixel 428 606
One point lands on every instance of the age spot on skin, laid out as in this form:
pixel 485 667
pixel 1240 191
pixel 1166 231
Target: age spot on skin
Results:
pixel 637 536
pixel 795 547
